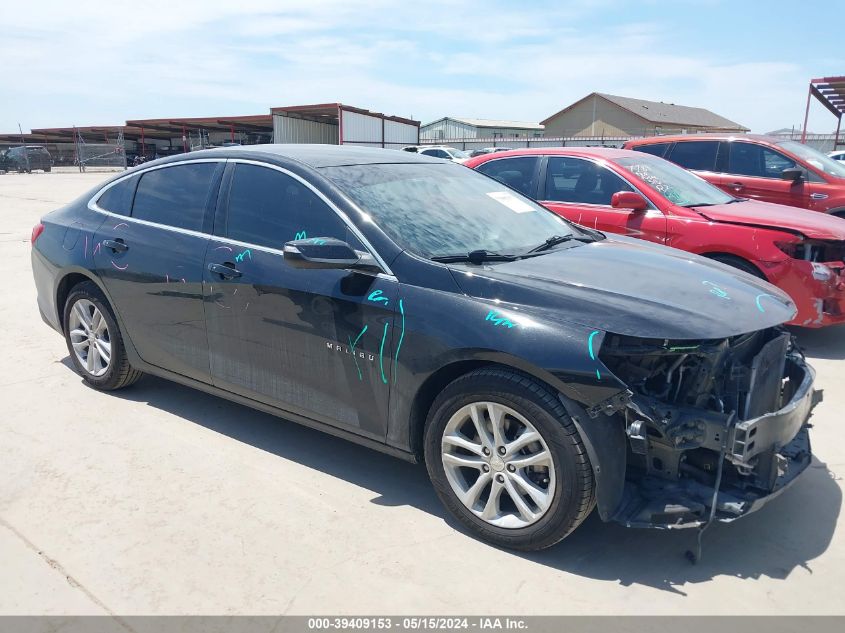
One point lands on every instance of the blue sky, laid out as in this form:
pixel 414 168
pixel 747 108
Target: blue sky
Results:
pixel 97 63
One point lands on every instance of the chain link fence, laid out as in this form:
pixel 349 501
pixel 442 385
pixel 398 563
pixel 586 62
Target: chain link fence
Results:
pixel 100 156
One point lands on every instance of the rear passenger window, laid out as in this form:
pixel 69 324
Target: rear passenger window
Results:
pixel 175 196
pixel 118 198
pixel 581 181
pixel 517 173
pixel 695 154
pixel 269 208
pixel 656 149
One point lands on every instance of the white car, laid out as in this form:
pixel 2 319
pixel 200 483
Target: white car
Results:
pixel 838 155
pixel 439 151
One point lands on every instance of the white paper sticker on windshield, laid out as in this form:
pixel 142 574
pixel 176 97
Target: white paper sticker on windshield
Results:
pixel 511 201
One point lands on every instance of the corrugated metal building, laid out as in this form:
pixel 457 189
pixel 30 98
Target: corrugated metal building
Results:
pixel 449 128
pixel 600 114
pixel 335 123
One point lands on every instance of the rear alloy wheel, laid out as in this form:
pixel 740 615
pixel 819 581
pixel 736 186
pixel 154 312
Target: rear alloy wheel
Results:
pixel 507 461
pixel 94 340
pixel 90 337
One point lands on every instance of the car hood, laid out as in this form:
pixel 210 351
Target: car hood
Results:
pixel 812 224
pixel 629 287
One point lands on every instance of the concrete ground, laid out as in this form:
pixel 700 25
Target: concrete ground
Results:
pixel 163 500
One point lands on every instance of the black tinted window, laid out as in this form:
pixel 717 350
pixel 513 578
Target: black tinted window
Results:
pixel 437 153
pixel 695 154
pixel 518 173
pixel 175 196
pixel 748 159
pixel 269 208
pixel 118 198
pixel 657 149
pixel 577 180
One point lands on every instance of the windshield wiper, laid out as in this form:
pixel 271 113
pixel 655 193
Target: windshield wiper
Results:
pixel 554 240
pixel 474 257
pixel 699 204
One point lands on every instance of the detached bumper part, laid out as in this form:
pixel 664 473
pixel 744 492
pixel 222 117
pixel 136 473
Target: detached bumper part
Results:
pixel 762 457
pixel 685 504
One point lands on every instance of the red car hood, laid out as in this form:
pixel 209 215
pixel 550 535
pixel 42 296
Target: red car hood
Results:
pixel 811 224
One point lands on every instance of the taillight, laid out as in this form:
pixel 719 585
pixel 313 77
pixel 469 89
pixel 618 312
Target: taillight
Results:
pixel 37 230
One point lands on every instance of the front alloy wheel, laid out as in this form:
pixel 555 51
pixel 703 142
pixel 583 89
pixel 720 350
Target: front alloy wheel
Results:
pixel 498 464
pixel 90 337
pixel 506 459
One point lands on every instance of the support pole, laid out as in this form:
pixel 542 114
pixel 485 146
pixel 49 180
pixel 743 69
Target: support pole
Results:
pixel 806 114
pixel 143 144
pixel 838 125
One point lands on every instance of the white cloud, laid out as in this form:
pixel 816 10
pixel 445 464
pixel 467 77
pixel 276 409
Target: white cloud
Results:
pixel 103 62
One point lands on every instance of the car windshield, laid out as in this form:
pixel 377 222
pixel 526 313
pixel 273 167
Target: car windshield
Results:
pixel 446 209
pixel 674 183
pixel 816 158
pixel 456 153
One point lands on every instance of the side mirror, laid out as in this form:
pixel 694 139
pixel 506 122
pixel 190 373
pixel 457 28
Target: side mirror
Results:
pixel 628 200
pixel 327 252
pixel 792 173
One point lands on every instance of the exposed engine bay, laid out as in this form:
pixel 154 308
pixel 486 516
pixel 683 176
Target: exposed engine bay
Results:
pixel 728 414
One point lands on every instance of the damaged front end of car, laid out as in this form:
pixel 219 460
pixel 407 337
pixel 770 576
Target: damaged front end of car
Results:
pixel 715 428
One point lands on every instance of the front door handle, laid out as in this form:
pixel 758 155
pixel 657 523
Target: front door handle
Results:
pixel 737 185
pixel 117 246
pixel 226 271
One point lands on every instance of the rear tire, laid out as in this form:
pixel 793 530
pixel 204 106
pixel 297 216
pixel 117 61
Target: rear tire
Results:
pixel 739 263
pixel 515 492
pixel 94 340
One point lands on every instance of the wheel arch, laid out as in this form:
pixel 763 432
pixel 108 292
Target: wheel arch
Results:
pixel 603 436
pixel 718 255
pixel 71 278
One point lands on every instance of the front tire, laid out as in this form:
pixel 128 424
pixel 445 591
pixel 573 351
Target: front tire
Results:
pixel 94 340
pixel 507 461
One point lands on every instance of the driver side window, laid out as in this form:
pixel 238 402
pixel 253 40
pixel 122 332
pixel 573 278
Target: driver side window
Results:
pixel 581 181
pixel 748 159
pixel 268 208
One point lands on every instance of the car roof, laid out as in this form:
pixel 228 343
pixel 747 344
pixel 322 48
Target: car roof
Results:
pixel 710 136
pixel 608 153
pixel 313 155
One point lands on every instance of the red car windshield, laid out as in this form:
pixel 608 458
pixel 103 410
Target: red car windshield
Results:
pixel 815 158
pixel 674 183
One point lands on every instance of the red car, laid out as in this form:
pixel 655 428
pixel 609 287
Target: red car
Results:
pixel 644 196
pixel 758 167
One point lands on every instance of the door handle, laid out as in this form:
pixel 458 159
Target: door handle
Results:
pixel 226 271
pixel 117 246
pixel 737 185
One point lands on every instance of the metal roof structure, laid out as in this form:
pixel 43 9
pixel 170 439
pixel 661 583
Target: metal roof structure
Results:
pixel 330 113
pixel 830 91
pixel 492 123
pixel 661 113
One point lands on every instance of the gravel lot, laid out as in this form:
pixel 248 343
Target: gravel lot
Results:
pixel 163 500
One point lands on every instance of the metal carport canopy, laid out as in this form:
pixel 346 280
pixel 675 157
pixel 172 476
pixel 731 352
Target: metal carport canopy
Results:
pixel 175 127
pixel 830 91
